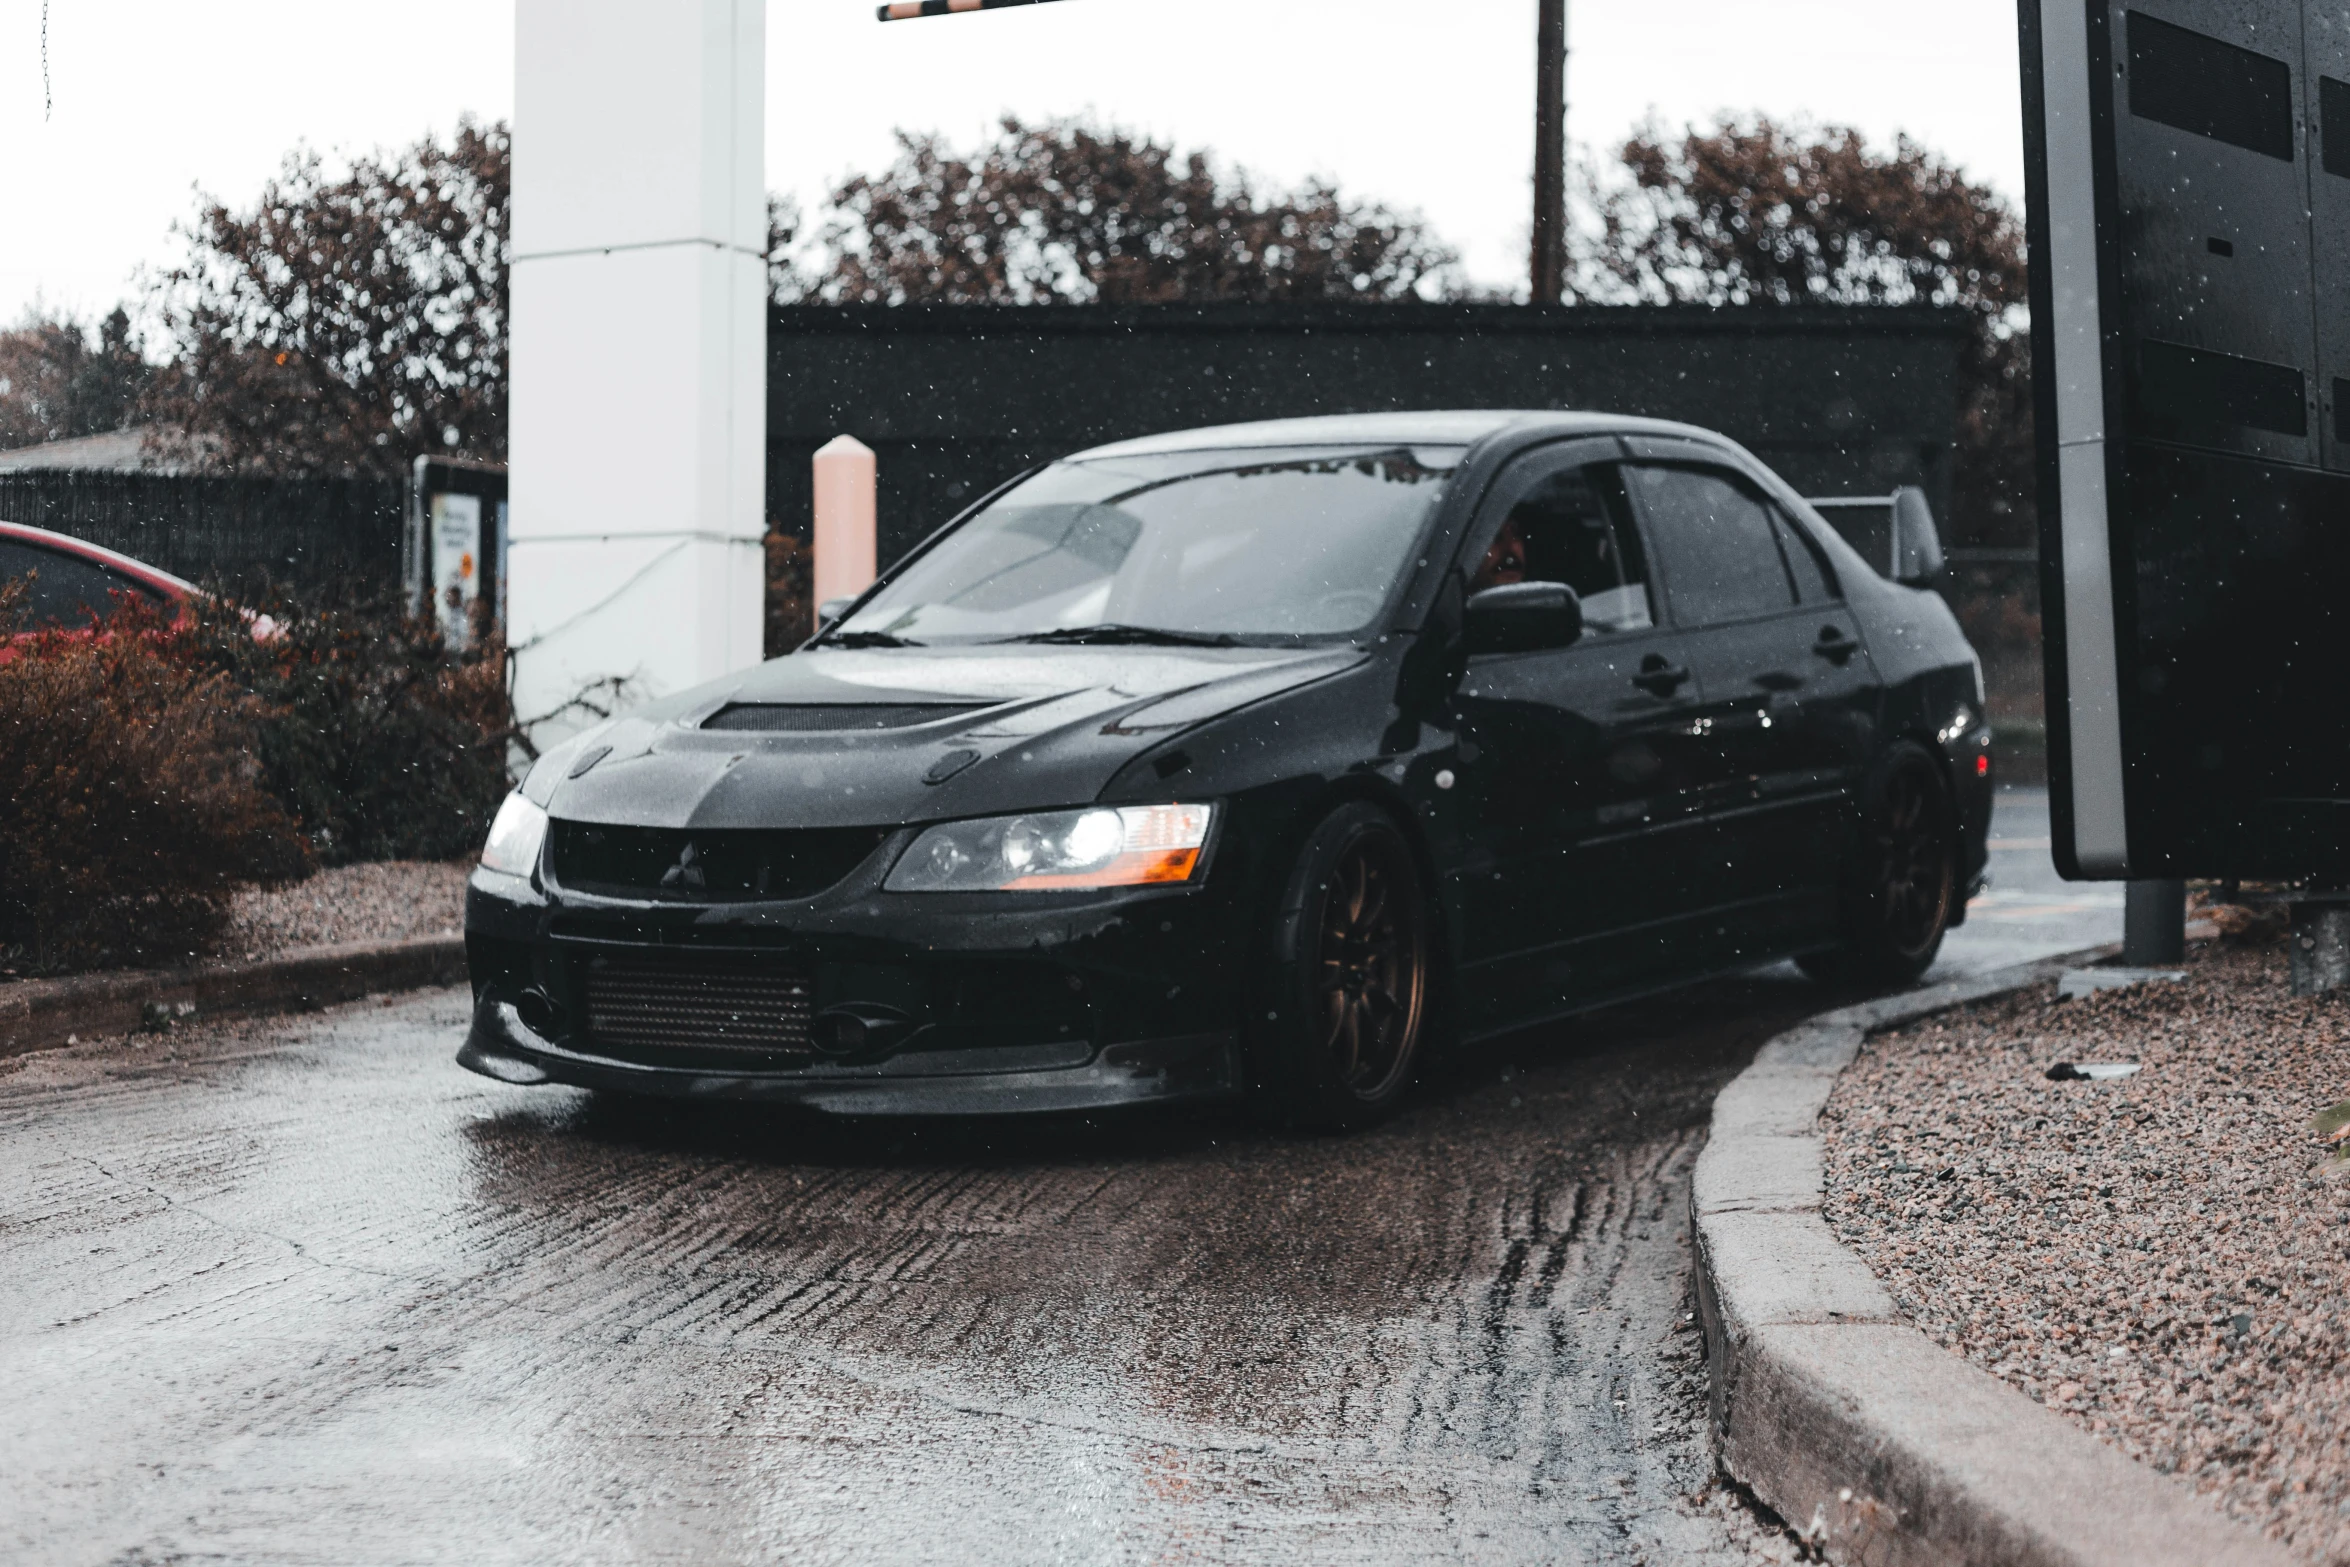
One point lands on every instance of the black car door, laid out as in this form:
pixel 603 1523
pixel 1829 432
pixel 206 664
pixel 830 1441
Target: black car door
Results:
pixel 1578 781
pixel 1790 699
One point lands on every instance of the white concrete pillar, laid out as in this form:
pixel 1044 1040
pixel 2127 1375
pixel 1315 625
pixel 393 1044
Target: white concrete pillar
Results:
pixel 639 340
pixel 845 479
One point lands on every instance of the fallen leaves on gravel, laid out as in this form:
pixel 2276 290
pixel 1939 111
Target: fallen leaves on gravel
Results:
pixel 389 900
pixel 2156 1257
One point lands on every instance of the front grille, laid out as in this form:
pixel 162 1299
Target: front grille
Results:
pixel 697 1003
pixel 729 865
pixel 813 718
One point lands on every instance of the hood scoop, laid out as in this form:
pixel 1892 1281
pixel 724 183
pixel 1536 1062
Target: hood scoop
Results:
pixel 832 717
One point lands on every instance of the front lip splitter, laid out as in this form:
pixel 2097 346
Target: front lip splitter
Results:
pixel 1055 1075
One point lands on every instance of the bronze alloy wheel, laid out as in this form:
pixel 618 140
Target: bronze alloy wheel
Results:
pixel 1914 859
pixel 1371 969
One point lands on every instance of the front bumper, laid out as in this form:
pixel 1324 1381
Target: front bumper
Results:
pixel 979 1004
pixel 1006 1081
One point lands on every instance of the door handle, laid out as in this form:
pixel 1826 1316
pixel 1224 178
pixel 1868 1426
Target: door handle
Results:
pixel 1660 675
pixel 1834 645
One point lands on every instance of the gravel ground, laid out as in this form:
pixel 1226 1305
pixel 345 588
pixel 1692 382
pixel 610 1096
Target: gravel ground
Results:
pixel 383 902
pixel 2154 1257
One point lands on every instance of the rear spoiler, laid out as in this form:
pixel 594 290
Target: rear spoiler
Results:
pixel 1894 533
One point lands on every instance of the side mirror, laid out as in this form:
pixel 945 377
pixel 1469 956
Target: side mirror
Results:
pixel 1522 617
pixel 832 609
pixel 1917 546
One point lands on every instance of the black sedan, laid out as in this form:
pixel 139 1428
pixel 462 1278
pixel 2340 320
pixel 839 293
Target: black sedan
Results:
pixel 1253 761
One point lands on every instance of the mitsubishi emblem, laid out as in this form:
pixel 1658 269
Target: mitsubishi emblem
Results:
pixel 687 872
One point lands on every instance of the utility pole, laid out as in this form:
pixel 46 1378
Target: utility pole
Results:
pixel 1549 272
pixel 1550 152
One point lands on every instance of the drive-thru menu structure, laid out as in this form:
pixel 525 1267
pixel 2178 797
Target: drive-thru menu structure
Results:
pixel 2189 193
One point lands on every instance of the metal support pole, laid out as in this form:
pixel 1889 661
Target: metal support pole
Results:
pixel 2154 923
pixel 637 344
pixel 2321 946
pixel 415 548
pixel 1549 274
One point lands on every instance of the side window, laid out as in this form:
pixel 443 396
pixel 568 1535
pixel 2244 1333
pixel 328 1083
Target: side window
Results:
pixel 1813 584
pixel 66 591
pixel 1574 525
pixel 1718 541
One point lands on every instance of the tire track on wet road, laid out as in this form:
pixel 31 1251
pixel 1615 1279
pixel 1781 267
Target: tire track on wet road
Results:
pixel 304 1291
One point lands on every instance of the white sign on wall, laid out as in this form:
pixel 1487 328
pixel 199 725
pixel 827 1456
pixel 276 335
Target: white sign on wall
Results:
pixel 456 563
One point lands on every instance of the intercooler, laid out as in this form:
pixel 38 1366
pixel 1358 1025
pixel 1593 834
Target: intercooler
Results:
pixel 679 1001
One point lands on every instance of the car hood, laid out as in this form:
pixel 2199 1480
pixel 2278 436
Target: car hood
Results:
pixel 1013 728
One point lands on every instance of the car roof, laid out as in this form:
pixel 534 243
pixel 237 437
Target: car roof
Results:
pixel 153 576
pixel 1435 427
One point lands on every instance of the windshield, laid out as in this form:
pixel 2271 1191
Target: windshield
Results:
pixel 1193 546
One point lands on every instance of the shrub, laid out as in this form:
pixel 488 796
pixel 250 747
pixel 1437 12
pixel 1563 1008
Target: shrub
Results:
pixel 131 802
pixel 791 610
pixel 382 740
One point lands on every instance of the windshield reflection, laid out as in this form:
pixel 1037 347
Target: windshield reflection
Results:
pixel 1194 547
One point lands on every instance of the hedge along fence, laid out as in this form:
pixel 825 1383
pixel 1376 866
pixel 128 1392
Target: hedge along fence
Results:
pixel 148 770
pixel 131 801
pixel 377 737
pixel 311 533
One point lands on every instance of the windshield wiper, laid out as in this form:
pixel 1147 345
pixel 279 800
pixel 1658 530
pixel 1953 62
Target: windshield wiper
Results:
pixel 1113 635
pixel 867 639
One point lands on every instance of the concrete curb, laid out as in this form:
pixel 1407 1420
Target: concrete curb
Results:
pixel 1875 1443
pixel 40 1014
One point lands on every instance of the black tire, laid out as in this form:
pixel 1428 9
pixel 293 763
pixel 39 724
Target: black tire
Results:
pixel 1346 996
pixel 1902 884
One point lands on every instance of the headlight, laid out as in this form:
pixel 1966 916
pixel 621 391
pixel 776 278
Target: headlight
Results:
pixel 1107 846
pixel 515 837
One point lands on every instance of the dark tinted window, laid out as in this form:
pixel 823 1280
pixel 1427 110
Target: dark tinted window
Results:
pixel 2333 124
pixel 2210 87
pixel 1812 582
pixel 66 589
pixel 1717 540
pixel 1575 526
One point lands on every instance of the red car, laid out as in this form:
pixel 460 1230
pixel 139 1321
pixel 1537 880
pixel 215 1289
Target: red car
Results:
pixel 77 580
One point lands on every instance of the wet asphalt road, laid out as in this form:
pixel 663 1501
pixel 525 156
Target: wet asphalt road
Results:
pixel 301 1290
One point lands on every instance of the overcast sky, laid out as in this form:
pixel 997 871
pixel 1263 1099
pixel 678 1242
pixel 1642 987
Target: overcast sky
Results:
pixel 1417 103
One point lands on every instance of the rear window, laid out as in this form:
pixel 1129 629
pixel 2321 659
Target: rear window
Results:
pixel 64 590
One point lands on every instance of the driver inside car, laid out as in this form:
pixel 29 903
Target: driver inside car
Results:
pixel 1505 558
pixel 1575 528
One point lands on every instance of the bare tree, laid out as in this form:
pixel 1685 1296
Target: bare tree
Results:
pixel 60 378
pixel 1771 214
pixel 344 324
pixel 788 282
pixel 1067 212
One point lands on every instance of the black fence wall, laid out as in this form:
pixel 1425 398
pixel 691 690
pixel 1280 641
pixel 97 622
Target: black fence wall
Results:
pixel 957 398
pixel 310 533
